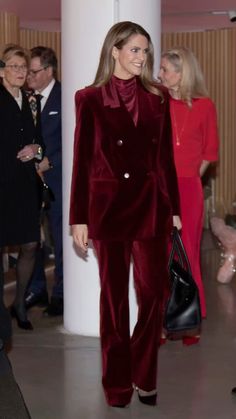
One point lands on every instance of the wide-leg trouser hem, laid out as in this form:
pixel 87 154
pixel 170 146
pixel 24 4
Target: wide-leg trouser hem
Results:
pixel 118 397
pixel 126 360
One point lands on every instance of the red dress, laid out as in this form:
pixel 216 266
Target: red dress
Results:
pixel 195 138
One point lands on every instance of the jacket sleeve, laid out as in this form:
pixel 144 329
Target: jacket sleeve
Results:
pixel 83 152
pixel 167 160
pixel 210 133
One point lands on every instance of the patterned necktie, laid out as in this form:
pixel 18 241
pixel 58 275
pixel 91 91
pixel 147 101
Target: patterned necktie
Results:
pixel 34 101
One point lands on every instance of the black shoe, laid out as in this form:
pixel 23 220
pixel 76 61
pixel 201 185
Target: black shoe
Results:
pixel 55 308
pixel 149 399
pixel 39 299
pixel 22 323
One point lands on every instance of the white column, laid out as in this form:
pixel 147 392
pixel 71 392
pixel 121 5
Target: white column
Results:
pixel 84 26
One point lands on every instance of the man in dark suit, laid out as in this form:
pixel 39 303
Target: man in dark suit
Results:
pixel 42 79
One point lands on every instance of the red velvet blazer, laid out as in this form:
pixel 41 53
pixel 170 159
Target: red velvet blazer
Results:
pixel 124 183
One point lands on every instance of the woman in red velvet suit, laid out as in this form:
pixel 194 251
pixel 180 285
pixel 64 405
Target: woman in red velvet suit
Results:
pixel 195 141
pixel 124 195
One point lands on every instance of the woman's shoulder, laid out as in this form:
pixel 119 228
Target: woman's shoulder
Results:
pixel 87 92
pixel 204 102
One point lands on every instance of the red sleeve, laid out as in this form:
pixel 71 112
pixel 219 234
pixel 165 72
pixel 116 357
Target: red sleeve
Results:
pixel 210 133
pixel 83 152
pixel 167 159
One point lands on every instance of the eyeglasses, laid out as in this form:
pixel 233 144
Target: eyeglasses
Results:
pixel 34 72
pixel 16 68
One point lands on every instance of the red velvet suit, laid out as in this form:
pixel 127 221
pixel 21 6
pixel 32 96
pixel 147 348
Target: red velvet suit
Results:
pixel 124 188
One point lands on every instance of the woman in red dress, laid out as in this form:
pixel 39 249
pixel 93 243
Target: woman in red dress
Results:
pixel 195 141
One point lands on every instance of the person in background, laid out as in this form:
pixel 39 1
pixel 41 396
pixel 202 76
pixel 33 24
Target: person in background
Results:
pixel 195 142
pixel 124 195
pixel 5 319
pixel 42 79
pixel 20 146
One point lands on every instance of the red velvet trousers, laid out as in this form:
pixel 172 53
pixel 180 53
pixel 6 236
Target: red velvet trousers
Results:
pixel 191 207
pixel 130 360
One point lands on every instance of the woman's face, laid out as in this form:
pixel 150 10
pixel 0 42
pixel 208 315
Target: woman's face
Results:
pixel 168 75
pixel 15 71
pixel 130 59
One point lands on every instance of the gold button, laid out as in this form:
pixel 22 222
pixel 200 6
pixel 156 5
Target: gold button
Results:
pixel 119 142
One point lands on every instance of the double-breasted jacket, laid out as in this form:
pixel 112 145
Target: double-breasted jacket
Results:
pixel 124 183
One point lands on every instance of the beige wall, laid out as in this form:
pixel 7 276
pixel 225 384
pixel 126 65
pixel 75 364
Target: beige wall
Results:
pixel 11 33
pixel 9 28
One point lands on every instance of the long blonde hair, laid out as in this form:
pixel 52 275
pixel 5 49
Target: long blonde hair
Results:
pixel 118 36
pixel 192 84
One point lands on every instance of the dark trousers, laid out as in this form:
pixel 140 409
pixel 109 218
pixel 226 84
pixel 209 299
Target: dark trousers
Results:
pixel 38 282
pixel 55 220
pixel 130 360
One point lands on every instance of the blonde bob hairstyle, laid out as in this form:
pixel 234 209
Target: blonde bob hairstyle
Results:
pixel 11 50
pixel 118 35
pixel 192 83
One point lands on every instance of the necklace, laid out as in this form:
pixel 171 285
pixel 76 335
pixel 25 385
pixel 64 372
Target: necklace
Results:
pixel 179 133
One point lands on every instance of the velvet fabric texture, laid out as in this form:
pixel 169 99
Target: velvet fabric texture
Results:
pixel 127 361
pixel 124 182
pixel 124 187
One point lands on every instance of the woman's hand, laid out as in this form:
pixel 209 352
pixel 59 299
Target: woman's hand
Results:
pixel 28 152
pixel 177 222
pixel 80 236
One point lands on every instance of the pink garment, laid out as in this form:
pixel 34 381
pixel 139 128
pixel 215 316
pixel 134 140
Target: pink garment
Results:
pixel 227 238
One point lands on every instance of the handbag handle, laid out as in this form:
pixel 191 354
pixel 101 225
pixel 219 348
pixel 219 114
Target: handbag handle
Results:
pixel 178 248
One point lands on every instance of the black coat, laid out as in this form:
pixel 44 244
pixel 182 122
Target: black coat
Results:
pixel 19 195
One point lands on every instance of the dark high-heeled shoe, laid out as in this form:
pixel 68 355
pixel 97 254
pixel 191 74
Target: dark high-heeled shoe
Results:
pixel 190 340
pixel 146 397
pixel 22 324
pixel 149 400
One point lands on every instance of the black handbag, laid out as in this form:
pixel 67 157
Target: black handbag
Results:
pixel 183 310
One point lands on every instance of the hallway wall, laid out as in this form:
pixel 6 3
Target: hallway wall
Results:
pixel 10 32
